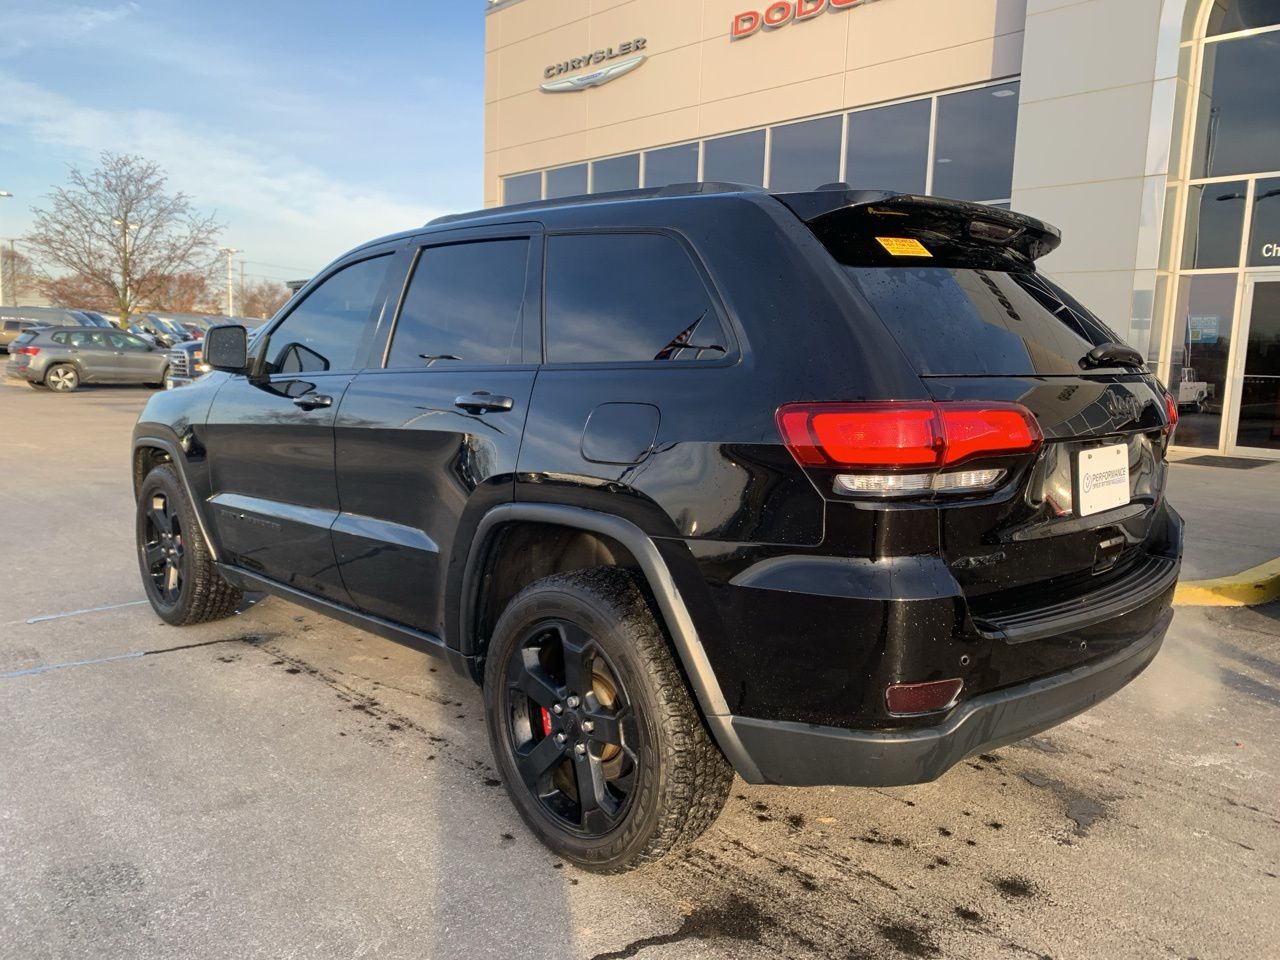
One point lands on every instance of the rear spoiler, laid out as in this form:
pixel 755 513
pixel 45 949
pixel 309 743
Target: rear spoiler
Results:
pixel 854 225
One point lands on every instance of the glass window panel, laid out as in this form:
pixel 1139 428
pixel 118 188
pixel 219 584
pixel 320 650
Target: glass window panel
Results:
pixel 973 150
pixel 735 159
pixel 806 155
pixel 1238 123
pixel 627 297
pixel 522 188
pixel 1215 217
pixel 567 181
pixel 1259 424
pixel 463 305
pixel 889 147
pixel 324 331
pixel 1201 345
pixel 1264 244
pixel 616 173
pixel 671 165
pixel 1228 16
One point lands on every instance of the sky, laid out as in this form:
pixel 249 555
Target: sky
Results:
pixel 307 128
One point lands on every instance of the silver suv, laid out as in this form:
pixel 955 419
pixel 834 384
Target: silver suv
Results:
pixel 62 358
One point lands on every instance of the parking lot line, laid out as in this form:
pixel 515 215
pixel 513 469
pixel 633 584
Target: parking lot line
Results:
pixel 45 668
pixel 75 613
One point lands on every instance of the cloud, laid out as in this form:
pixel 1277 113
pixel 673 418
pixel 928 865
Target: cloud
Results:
pixel 25 29
pixel 277 206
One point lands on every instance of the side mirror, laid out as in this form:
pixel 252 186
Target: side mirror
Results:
pixel 226 347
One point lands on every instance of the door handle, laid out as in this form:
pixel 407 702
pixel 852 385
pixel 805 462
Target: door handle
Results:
pixel 311 401
pixel 482 400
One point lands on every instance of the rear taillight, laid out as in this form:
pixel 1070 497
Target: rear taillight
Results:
pixel 1171 413
pixel 26 351
pixel 907 449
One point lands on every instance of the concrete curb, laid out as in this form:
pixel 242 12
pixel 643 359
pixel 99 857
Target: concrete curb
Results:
pixel 1260 584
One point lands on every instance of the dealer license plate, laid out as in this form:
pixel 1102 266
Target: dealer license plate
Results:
pixel 1102 479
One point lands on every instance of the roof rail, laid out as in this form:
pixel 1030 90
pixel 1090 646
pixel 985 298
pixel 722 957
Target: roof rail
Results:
pixel 641 193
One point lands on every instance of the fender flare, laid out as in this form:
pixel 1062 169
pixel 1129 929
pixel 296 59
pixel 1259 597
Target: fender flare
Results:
pixel 693 657
pixel 179 462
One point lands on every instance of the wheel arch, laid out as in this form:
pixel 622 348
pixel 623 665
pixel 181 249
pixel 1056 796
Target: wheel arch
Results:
pixel 630 547
pixel 149 451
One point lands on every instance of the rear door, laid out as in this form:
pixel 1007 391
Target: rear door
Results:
pixel 270 436
pixel 427 437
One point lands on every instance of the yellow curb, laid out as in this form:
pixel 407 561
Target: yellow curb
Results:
pixel 1260 584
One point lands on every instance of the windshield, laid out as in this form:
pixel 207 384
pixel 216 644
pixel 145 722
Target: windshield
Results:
pixel 966 322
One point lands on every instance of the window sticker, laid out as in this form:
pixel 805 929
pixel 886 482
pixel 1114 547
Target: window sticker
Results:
pixel 903 247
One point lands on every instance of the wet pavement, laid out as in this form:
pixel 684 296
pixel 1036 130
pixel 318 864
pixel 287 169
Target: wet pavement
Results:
pixel 279 785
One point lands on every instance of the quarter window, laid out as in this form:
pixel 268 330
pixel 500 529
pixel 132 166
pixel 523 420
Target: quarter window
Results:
pixel 324 331
pixel 627 297
pixel 463 306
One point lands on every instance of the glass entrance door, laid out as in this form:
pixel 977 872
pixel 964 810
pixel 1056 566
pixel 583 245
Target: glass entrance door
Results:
pixel 1257 427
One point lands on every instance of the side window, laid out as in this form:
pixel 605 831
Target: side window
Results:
pixel 324 331
pixel 463 305
pixel 62 338
pixel 627 297
pixel 88 339
pixel 131 342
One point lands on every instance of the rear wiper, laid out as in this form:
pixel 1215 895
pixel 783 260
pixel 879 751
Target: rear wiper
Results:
pixel 1111 354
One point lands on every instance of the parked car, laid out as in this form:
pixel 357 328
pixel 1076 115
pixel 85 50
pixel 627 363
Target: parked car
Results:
pixel 160 330
pixel 186 363
pixel 63 358
pixel 98 319
pixel 10 328
pixel 822 488
pixel 48 316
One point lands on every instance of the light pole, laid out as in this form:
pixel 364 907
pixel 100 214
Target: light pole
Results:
pixel 126 232
pixel 231 295
pixel 4 193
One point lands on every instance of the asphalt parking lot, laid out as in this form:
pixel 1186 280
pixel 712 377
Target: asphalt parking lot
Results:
pixel 279 785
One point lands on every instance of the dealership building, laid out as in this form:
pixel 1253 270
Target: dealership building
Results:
pixel 1148 131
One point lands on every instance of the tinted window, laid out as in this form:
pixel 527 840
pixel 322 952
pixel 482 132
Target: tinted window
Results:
pixel 1228 16
pixel 803 156
pixel 324 332
pixel 567 181
pixel 736 159
pixel 671 165
pixel 1238 128
pixel 522 189
pixel 617 173
pixel 889 147
pixel 1264 248
pixel 627 297
pixel 973 322
pixel 463 304
pixel 1215 217
pixel 973 152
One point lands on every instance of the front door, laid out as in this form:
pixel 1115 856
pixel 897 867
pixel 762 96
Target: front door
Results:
pixel 270 435
pixel 1257 427
pixel 428 436
pixel 136 360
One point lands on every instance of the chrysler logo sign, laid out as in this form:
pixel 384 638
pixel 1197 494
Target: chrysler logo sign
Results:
pixel 613 68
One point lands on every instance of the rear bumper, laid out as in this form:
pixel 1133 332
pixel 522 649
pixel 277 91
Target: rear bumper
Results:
pixel 15 372
pixel 800 754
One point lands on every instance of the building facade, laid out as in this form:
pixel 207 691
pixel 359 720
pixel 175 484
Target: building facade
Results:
pixel 1148 131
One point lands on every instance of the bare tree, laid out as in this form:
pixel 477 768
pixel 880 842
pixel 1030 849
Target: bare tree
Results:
pixel 262 298
pixel 117 232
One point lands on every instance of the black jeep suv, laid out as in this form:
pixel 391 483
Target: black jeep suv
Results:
pixel 822 488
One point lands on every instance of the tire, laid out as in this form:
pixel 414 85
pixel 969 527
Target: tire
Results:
pixel 158 386
pixel 178 574
pixel 62 378
pixel 659 779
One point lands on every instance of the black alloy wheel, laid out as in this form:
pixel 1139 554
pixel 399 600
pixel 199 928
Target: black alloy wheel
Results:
pixel 592 727
pixel 164 552
pixel 572 731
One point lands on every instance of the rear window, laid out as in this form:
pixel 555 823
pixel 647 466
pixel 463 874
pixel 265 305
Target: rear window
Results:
pixel 953 321
pixel 23 338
